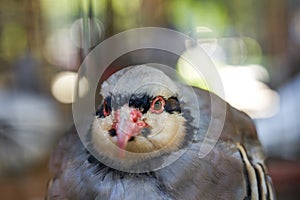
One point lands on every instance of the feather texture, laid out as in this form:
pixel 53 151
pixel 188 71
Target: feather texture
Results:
pixel 234 169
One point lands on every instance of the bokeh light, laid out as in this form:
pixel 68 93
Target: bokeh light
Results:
pixel 244 84
pixel 60 50
pixel 245 91
pixel 64 84
pixel 240 50
pixel 190 75
pixel 94 29
pixel 206 39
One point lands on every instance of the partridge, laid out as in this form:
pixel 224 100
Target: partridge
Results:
pixel 146 139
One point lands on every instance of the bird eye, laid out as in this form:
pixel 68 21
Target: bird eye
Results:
pixel 106 109
pixel 157 105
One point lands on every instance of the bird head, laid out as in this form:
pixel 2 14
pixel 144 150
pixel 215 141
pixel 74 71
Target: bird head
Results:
pixel 141 113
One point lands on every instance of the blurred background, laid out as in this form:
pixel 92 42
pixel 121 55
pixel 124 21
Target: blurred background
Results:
pixel 254 45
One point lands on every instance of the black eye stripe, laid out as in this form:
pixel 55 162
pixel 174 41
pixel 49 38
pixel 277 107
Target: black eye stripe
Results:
pixel 105 105
pixel 172 105
pixel 108 103
pixel 99 112
pixel 140 101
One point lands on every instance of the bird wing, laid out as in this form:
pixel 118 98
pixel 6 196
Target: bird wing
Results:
pixel 233 169
pixel 236 128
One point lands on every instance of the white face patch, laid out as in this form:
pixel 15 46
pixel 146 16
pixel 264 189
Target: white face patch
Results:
pixel 157 122
pixel 167 132
pixel 106 123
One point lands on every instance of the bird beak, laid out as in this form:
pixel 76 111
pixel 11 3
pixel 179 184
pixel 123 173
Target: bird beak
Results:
pixel 128 124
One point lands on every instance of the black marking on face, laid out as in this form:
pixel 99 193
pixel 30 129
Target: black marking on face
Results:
pixel 142 102
pixel 108 102
pixel 92 159
pixel 115 102
pixel 172 105
pixel 99 111
pixel 131 139
pixel 112 132
pixel 105 108
pixel 139 101
pixel 189 128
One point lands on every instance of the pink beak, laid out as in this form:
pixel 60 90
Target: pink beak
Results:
pixel 128 124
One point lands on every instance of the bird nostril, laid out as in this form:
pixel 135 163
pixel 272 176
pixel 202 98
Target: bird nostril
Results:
pixel 135 115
